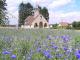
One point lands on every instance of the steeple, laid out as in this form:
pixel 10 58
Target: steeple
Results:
pixel 36 12
pixel 36 9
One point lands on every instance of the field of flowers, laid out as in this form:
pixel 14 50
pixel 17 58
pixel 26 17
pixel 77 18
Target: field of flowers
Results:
pixel 39 44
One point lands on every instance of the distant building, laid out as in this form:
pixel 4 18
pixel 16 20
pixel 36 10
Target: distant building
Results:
pixel 35 21
pixel 63 24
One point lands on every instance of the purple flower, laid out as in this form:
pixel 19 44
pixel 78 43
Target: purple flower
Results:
pixel 13 56
pixel 55 47
pixel 47 54
pixel 6 52
pixel 65 59
pixel 77 54
pixel 56 37
pixel 65 48
pixel 49 37
pixel 67 52
pixel 52 43
pixel 65 38
pixel 59 55
pixel 39 49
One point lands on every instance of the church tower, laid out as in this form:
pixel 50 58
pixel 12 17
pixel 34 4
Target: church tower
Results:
pixel 36 10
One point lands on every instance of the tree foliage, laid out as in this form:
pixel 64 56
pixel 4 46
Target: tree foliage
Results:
pixel 24 11
pixel 3 12
pixel 76 25
pixel 55 26
pixel 44 12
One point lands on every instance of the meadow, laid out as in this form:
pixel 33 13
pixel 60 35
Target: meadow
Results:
pixel 39 44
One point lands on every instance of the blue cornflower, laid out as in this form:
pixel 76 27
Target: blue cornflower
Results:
pixel 65 38
pixel 67 52
pixel 59 55
pixel 6 52
pixel 13 56
pixel 65 48
pixel 55 47
pixel 39 49
pixel 65 58
pixel 52 43
pixel 49 37
pixel 56 37
pixel 77 54
pixel 47 54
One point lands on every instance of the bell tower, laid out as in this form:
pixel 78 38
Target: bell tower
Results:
pixel 36 12
pixel 36 9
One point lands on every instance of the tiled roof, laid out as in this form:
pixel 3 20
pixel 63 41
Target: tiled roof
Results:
pixel 64 23
pixel 30 19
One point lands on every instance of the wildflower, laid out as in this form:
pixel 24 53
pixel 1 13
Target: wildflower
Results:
pixel 13 56
pixel 55 47
pixel 77 54
pixel 6 52
pixel 49 37
pixel 39 49
pixel 59 55
pixel 65 48
pixel 65 58
pixel 56 37
pixel 47 54
pixel 67 52
pixel 65 38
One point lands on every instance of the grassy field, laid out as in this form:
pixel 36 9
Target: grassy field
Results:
pixel 39 44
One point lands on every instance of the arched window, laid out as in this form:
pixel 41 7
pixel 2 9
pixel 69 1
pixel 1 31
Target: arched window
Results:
pixel 35 25
pixel 41 25
pixel 45 25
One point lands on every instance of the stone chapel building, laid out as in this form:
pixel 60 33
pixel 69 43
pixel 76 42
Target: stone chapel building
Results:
pixel 36 20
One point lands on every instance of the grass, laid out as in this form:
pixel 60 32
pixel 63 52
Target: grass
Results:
pixel 24 43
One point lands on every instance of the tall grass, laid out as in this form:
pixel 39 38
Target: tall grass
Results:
pixel 39 44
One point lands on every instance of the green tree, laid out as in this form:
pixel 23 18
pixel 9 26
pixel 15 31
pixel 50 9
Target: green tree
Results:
pixel 3 17
pixel 55 26
pixel 25 10
pixel 44 12
pixel 76 25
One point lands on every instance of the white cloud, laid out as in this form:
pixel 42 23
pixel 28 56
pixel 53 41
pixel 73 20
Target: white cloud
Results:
pixel 58 3
pixel 38 1
pixel 56 17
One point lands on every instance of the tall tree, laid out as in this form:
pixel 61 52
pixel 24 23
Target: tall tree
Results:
pixel 44 12
pixel 2 12
pixel 25 10
pixel 76 25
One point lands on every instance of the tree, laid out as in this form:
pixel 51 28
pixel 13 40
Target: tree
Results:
pixel 25 10
pixel 76 25
pixel 44 12
pixel 3 17
pixel 55 26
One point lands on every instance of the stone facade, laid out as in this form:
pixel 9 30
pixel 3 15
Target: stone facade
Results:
pixel 36 21
pixel 63 25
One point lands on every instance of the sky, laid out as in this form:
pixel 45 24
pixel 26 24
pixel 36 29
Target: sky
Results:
pixel 59 10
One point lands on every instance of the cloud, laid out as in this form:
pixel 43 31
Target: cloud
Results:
pixel 56 17
pixel 38 1
pixel 59 3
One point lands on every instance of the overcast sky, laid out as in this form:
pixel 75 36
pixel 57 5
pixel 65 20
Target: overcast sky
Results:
pixel 59 10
